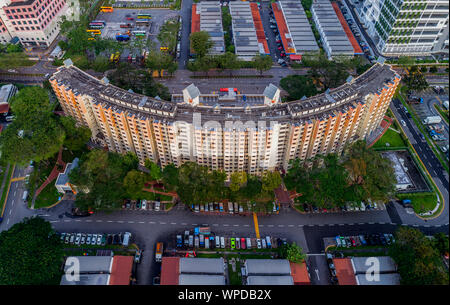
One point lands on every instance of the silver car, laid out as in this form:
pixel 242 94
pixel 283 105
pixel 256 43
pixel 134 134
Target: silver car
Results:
pixel 99 239
pixel 94 239
pixel 88 239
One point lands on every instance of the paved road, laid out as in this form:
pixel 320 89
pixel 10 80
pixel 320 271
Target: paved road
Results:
pixel 185 13
pixel 431 162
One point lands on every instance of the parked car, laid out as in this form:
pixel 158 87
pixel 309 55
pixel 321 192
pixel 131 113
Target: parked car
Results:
pixel 63 237
pixel 238 244
pixel 258 243
pixel 99 239
pixel 263 242
pixel 144 204
pixel 94 239
pixel 78 239
pixel 233 243
pixel 222 242
pixel 158 206
pixel 243 245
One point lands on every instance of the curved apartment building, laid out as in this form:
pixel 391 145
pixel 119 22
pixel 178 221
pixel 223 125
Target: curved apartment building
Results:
pixel 232 131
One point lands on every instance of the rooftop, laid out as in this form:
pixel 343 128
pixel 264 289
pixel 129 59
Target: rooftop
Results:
pixel 387 264
pixel 267 267
pixel 270 280
pixel 202 265
pixel 344 271
pixel 201 279
pixel 385 279
pixel 91 264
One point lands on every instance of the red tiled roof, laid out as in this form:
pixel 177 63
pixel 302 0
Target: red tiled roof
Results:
pixel 348 32
pixel 344 271
pixel 4 108
pixel 300 274
pixel 282 29
pixel 169 270
pixel 195 23
pixel 295 57
pixel 259 27
pixel 121 270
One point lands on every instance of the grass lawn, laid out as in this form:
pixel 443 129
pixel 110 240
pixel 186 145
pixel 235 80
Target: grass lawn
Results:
pixel 15 60
pixel 391 137
pixel 421 202
pixel 235 277
pixel 47 197
pixel 443 112
pixel 5 188
pixel 154 196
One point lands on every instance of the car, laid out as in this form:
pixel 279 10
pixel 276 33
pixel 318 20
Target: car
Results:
pixel 202 208
pixel 238 244
pixel 344 244
pixel 338 241
pixel 279 242
pixel 305 207
pixel 363 206
pixel 63 237
pixel 263 242
pixel 403 123
pixel 72 238
pixel 362 240
pixel 217 242
pixel 83 239
pixel 233 243
pixel 144 204
pixel 353 242
pixel 222 242
pixel 258 243
pixel 137 256
pixel 138 204
pixel 109 239
pixel 128 204
pixel 67 238
pixel 243 245
pixel 158 206
pixel 273 26
pixel 103 241
pixel 93 239
pixel 278 41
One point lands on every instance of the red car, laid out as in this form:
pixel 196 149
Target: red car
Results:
pixel 278 41
pixel 353 241
pixel 243 244
pixel 280 48
pixel 282 55
pixel 129 18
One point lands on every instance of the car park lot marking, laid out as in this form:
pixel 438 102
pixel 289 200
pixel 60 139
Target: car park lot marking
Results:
pixel 99 221
pixel 141 221
pixel 162 223
pixel 226 225
pixel 151 222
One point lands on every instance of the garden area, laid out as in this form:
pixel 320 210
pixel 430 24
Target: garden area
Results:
pixel 421 202
pixel 392 137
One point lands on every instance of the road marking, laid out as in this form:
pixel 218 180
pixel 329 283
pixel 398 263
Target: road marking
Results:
pixel 10 212
pixel 52 221
pixel 290 226
pixel 321 225
pixel 67 220
pixel 341 224
pixel 247 226
pixel 78 220
pixel 215 224
pixel 299 226
pixel 99 221
pixel 173 223
pixel 255 222
pixel 270 226
pixel 235 225
pixel 371 223
pixel 184 224
pixel 7 222
pixel 152 222
pixel 280 226
pixel 382 223
pixel 162 223
pixel 120 221
pixel 205 224
pixel 194 224
pixel 331 224
pixel 225 225
pixel 141 221
pixel 14 193
pixel 317 273
pixel 130 221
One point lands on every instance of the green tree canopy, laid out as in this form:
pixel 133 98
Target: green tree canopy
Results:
pixel 76 137
pixel 155 170
pixel 298 86
pixel 30 254
pixel 238 179
pixel 262 63
pixel 418 262
pixel 270 180
pixel 201 43
pixel 415 80
pixel 170 176
pixel 133 183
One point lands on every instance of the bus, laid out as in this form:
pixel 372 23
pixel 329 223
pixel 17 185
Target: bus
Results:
pixel 144 16
pixel 142 22
pixel 139 33
pixel 106 9
pixel 94 32
pixel 96 26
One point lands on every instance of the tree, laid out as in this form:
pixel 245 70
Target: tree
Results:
pixel 170 176
pixel 295 253
pixel 30 254
pixel 99 179
pixel 155 170
pixel 440 242
pixel 415 80
pixel 330 74
pixel 298 86
pixel 238 179
pixel 252 189
pixel 433 69
pixel 370 175
pixel 418 262
pixel 35 134
pixel 228 61
pixel 270 181
pixel 262 63
pixel 133 183
pixel 201 43
pixel 76 137
pixel 405 62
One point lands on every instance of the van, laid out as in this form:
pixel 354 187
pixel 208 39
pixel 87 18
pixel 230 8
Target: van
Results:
pixel 222 242
pixel 206 242
pixel 126 239
pixel 249 243
pixel 230 207
pixel 217 241
pixel 236 207
pixel 25 195
pixel 157 205
pixel 191 241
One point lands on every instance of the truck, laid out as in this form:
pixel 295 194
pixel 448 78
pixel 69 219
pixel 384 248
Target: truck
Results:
pixel 432 119
pixel 230 207
pixel 179 241
pixel 202 230
pixel 159 252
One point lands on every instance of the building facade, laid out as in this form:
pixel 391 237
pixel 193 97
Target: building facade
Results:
pixel 231 132
pixel 33 22
pixel 407 27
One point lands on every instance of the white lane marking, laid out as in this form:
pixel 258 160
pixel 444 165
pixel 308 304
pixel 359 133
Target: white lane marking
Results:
pixel 205 224
pixel 235 225
pixel 215 224
pixel 14 193
pixel 78 220
pixel 194 224
pixel 317 273
pixel 10 212
pixel 173 223
pixel 141 221
pixel 331 224
pixel 152 222
pixel 184 223
pixel 99 221
pixel 67 220
pixel 130 221
pixel 246 225
pixel 110 221
pixel 226 225
pixel 52 221
pixel 280 226
pixel 162 223
pixel 290 226
pixel 261 226
pixel 270 226
pixel 299 226
pixel 7 222
pixel 341 224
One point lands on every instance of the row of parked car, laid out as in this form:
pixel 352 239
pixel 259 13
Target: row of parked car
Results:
pixel 230 207
pixel 222 242
pixel 141 205
pixel 376 239
pixel 362 206
pixel 95 239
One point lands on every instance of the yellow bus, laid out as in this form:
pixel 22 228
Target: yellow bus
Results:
pixel 106 9
pixel 95 32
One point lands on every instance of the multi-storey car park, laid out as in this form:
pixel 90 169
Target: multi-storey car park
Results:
pixel 233 132
pixel 406 27
pixel 294 28
pixel 33 22
pixel 245 37
pixel 334 39
pixel 207 16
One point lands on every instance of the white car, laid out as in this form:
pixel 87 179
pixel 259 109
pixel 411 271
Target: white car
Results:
pixel 78 239
pixel 403 123
pixel 258 243
pixel 157 205
pixel 144 204
pixel 99 239
pixel 94 239
pixel 88 239
pixel 263 242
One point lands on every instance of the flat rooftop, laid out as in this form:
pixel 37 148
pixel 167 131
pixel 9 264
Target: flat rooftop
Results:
pixel 244 32
pixel 211 21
